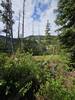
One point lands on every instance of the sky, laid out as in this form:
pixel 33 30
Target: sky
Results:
pixel 37 12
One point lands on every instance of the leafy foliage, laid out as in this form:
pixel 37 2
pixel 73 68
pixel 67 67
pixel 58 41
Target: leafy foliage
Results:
pixel 22 77
pixel 18 77
pixel 56 87
pixel 66 18
pixel 34 46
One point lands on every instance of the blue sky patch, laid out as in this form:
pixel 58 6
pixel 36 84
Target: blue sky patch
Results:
pixel 39 8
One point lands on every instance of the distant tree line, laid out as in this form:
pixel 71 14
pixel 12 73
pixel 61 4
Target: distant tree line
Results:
pixel 9 44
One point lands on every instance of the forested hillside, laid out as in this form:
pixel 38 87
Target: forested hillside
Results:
pixel 33 44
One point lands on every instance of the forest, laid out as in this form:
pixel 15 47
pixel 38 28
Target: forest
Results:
pixel 37 67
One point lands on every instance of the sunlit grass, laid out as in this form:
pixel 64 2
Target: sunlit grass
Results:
pixel 52 58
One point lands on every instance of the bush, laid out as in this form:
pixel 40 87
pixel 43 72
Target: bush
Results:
pixel 58 87
pixel 23 78
pixel 19 78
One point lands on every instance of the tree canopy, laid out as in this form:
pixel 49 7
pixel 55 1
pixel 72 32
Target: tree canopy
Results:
pixel 66 19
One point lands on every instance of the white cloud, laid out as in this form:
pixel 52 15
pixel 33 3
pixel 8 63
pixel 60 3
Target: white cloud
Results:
pixel 17 5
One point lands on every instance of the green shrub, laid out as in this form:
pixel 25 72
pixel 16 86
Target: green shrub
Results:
pixel 54 88
pixel 20 77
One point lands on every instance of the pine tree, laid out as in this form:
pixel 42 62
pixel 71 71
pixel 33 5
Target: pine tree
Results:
pixel 8 22
pixel 66 18
pixel 47 34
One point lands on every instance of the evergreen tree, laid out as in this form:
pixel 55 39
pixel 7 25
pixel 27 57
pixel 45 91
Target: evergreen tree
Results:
pixel 47 34
pixel 66 19
pixel 8 21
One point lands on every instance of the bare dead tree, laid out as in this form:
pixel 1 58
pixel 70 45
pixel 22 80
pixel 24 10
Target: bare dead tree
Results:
pixel 19 25
pixel 23 25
